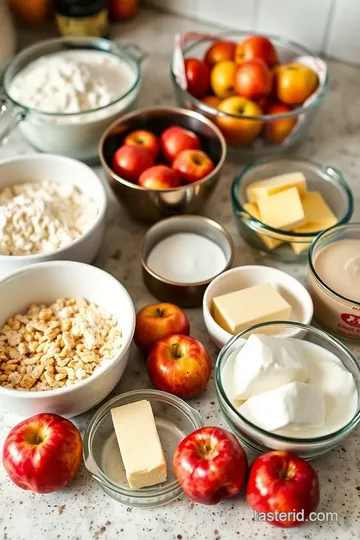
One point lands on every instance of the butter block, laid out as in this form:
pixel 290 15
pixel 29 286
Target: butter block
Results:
pixel 139 444
pixel 276 184
pixel 253 210
pixel 260 303
pixel 283 210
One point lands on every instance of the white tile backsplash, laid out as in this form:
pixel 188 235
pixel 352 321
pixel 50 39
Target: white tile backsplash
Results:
pixel 328 26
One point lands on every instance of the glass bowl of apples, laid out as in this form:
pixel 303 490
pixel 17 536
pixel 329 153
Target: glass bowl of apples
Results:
pixel 162 161
pixel 261 91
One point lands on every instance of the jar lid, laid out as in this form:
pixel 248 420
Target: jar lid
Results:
pixel 79 8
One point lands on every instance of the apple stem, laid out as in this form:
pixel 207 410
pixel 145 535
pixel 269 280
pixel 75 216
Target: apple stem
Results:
pixel 175 350
pixel 159 312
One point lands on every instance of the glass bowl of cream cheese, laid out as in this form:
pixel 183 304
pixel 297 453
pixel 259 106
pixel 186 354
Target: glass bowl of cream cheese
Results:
pixel 282 393
pixel 65 91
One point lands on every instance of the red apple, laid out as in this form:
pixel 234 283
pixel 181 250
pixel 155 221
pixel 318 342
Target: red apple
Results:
pixel 277 130
pixel 159 177
pixel 157 321
pixel 175 139
pixel 294 83
pixel 253 79
pixel 220 51
pixel 210 465
pixel 42 453
pixel 193 165
pixel 180 365
pixel 122 10
pixel 130 161
pixel 197 76
pixel 256 47
pixel 144 139
pixel 282 482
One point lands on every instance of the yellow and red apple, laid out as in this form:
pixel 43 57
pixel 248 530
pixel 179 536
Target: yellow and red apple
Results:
pixel 222 79
pixel 276 131
pixel 239 131
pixel 219 51
pixel 294 83
pixel 192 165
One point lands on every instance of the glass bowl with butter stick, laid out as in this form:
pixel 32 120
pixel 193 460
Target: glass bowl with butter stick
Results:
pixel 281 206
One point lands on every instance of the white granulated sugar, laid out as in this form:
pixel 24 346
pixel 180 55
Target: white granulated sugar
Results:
pixel 42 217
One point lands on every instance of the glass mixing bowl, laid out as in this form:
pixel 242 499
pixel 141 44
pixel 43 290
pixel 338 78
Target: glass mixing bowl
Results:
pixel 287 51
pixel 261 440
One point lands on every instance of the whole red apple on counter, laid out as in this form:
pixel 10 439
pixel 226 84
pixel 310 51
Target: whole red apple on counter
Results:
pixel 122 10
pixel 193 165
pixel 276 131
pixel 175 139
pixel 256 47
pixel 210 465
pixel 197 76
pixel 42 453
pixel 280 481
pixel 253 79
pixel 180 365
pixel 144 139
pixel 159 177
pixel 157 321
pixel 239 131
pixel 220 51
pixel 130 161
pixel 294 83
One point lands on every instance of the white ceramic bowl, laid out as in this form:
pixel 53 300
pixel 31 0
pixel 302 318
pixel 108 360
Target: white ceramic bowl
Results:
pixel 247 276
pixel 45 283
pixel 40 167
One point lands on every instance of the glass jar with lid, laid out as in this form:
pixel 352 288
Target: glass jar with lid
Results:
pixel 82 17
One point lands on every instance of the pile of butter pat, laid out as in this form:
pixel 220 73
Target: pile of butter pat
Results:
pixel 240 309
pixel 139 444
pixel 284 202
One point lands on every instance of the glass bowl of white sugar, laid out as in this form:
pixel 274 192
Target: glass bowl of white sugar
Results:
pixel 181 255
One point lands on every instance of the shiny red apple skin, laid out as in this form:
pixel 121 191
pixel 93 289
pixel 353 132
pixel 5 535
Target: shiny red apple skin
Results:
pixel 159 177
pixel 219 51
pixel 175 139
pixel 122 10
pixel 157 321
pixel 193 165
pixel 256 47
pixel 130 161
pixel 144 139
pixel 253 79
pixel 42 453
pixel 197 76
pixel 210 465
pixel 179 365
pixel 284 482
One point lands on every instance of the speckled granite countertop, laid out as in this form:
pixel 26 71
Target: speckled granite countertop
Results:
pixel 82 511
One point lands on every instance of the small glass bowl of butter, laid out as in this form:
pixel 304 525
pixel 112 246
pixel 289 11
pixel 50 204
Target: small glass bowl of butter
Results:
pixel 281 206
pixel 174 420
pixel 306 441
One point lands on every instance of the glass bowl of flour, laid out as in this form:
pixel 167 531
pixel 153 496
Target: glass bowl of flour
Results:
pixel 64 92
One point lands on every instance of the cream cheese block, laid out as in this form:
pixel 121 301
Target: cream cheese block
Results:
pixel 275 184
pixel 139 444
pixel 260 303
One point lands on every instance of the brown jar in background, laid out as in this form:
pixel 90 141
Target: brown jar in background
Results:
pixel 82 17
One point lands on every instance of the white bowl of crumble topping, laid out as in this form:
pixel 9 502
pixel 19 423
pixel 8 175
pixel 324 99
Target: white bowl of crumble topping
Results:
pixel 65 335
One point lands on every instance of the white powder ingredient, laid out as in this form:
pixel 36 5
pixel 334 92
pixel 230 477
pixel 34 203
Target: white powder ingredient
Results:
pixel 39 217
pixel 72 81
pixel 186 258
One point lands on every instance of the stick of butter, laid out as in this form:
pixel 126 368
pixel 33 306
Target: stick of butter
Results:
pixel 270 186
pixel 260 303
pixel 270 243
pixel 283 210
pixel 139 444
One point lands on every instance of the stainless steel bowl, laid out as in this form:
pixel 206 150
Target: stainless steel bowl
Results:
pixel 149 204
pixel 182 294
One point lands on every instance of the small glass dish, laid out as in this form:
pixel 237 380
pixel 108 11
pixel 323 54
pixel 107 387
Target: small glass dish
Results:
pixel 260 440
pixel 174 420
pixel 323 178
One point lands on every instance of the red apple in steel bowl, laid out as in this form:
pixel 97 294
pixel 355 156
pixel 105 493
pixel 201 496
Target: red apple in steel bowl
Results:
pixel 157 321
pixel 253 79
pixel 197 76
pixel 282 482
pixel 210 465
pixel 159 177
pixel 130 161
pixel 144 139
pixel 42 453
pixel 175 139
pixel 179 365
pixel 256 47
pixel 193 165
